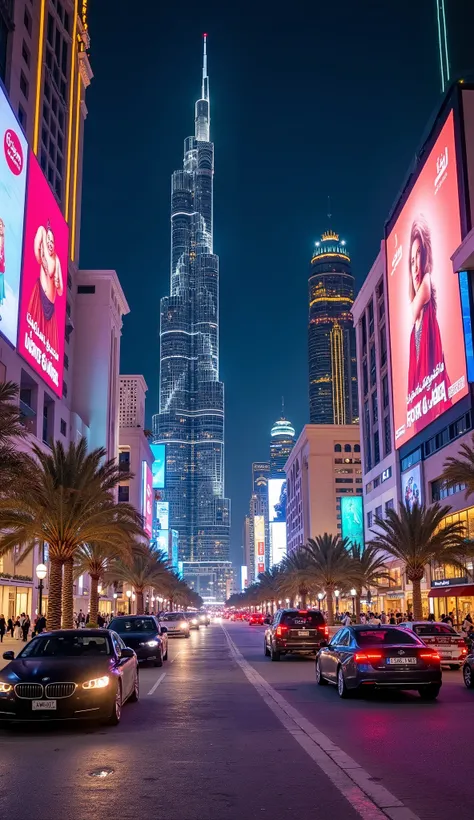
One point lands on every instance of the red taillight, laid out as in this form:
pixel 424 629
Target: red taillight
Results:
pixel 464 651
pixel 280 630
pixel 368 657
pixel 325 630
pixel 302 612
pixel 430 656
pixel 462 644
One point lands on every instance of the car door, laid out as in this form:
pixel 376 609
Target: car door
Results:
pixel 329 657
pixel 272 629
pixel 126 665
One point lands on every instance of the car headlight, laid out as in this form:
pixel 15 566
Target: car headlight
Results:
pixel 184 625
pixel 202 618
pixel 194 621
pixel 5 687
pixel 97 683
pixel 152 643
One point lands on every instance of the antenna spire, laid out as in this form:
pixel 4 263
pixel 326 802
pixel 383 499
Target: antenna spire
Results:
pixel 205 78
pixel 329 210
pixel 283 407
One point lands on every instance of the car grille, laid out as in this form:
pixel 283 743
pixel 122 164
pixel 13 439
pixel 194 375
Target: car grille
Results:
pixel 60 690
pixel 29 691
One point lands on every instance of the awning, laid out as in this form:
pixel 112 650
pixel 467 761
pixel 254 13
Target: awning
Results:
pixel 452 592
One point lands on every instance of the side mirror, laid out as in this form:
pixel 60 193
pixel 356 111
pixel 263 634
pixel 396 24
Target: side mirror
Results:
pixel 164 630
pixel 9 656
pixel 127 653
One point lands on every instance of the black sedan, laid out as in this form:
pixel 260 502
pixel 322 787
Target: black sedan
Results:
pixel 145 635
pixel 468 670
pixel 69 674
pixel 360 657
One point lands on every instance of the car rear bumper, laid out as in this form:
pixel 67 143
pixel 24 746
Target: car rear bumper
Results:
pixel 397 680
pixel 298 646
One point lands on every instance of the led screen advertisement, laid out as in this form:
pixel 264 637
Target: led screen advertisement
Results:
pixel 13 173
pixel 278 541
pixel 162 512
pixel 352 519
pixel 276 499
pixel 174 549
pixel 147 499
pixel 426 330
pixel 158 466
pixel 411 486
pixel 259 539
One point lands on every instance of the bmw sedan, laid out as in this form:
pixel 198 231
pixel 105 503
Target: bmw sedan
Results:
pixel 144 635
pixel 362 657
pixel 69 674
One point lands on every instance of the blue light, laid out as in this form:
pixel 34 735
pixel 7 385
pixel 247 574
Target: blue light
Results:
pixel 467 323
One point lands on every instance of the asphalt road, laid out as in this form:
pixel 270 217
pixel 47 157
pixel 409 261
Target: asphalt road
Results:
pixel 221 733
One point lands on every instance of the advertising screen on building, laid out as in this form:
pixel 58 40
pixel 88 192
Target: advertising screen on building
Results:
pixel 411 486
pixel 276 499
pixel 163 543
pixel 259 538
pixel 42 314
pixel 162 513
pixel 426 329
pixel 278 541
pixel 13 171
pixel 158 467
pixel 352 519
pixel 174 549
pixel 147 499
pixel 243 578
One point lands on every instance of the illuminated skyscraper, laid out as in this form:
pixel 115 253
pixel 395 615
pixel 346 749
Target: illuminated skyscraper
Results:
pixel 331 336
pixel 281 444
pixel 190 421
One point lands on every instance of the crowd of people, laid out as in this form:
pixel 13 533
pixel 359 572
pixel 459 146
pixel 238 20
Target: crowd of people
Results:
pixel 21 627
pixel 394 617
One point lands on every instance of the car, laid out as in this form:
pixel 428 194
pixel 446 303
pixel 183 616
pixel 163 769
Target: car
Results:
pixel 65 674
pixel 443 639
pixel 176 623
pixel 204 618
pixel 145 635
pixel 361 657
pixel 257 618
pixel 295 631
pixel 467 671
pixel 193 619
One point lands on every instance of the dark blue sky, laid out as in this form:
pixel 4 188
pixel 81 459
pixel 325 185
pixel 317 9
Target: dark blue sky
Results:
pixel 307 99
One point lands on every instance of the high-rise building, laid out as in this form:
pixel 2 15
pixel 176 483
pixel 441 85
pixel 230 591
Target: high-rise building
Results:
pixel 331 337
pixel 282 439
pixel 190 421
pixel 132 401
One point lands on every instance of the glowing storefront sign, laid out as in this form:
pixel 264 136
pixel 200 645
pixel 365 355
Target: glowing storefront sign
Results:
pixel 352 519
pixel 147 499
pixel 259 539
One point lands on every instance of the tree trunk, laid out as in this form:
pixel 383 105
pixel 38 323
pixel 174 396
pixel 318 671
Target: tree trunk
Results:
pixel 304 598
pixel 68 595
pixel 357 605
pixel 54 593
pixel 417 605
pixel 330 605
pixel 139 594
pixel 94 607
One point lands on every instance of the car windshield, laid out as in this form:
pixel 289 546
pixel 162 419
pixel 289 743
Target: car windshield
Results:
pixel 373 637
pixel 302 619
pixel 124 625
pixel 172 616
pixel 434 629
pixel 66 646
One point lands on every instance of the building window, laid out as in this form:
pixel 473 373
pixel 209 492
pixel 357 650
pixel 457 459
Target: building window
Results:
pixel 356 448
pixel 347 448
pixel 385 392
pixel 63 427
pixel 378 512
pixel 65 390
pixel 387 436
pixel 376 447
pixel 25 53
pixel 383 347
pixel 389 505
pixel 123 493
pixel 371 318
pixel 364 335
pixel 375 408
pixel 22 116
pixel 373 372
pixel 343 480
pixel 370 518
pixel 27 21
pixel 439 490
pixel 337 448
pixel 86 288
pixel 66 361
pixel 124 461
pixel 24 86
pixel 365 378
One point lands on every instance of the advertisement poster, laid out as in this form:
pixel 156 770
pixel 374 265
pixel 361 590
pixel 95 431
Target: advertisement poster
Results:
pixel 174 549
pixel 162 515
pixel 276 499
pixel 352 519
pixel 147 499
pixel 42 316
pixel 278 541
pixel 426 329
pixel 259 539
pixel 411 486
pixel 158 467
pixel 13 170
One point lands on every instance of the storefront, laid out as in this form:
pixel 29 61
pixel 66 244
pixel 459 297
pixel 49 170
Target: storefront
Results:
pixel 454 595
pixel 15 598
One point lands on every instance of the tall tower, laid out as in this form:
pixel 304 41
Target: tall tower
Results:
pixel 444 67
pixel 190 421
pixel 281 444
pixel 331 335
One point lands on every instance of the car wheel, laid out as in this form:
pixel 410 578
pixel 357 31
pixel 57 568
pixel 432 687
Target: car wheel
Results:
pixel 114 718
pixel 159 661
pixel 468 676
pixel 187 635
pixel 342 689
pixel 266 650
pixel 135 696
pixel 319 676
pixel 275 656
pixel 429 692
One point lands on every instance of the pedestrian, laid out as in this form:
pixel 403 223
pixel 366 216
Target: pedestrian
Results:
pixel 347 619
pixel 363 618
pixel 40 624
pixel 431 617
pixel 3 627
pixel 410 617
pixel 17 630
pixel 25 628
pixel 451 617
pixel 393 620
pixel 10 626
pixel 467 624
pixel 88 617
pixel 374 620
pixel 100 620
pixel 383 618
pixel 447 619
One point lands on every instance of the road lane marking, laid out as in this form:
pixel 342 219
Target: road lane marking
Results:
pixel 176 656
pixel 157 683
pixel 370 800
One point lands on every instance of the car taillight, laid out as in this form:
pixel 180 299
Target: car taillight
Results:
pixel 368 657
pixel 430 656
pixel 464 650
pixel 302 612
pixel 461 643
pixel 280 630
pixel 325 630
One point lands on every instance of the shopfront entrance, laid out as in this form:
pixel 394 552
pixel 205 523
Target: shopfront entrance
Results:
pixel 458 599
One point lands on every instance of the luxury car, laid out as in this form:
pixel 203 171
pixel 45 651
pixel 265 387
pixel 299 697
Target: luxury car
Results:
pixel 443 639
pixel 256 619
pixel 176 623
pixel 295 631
pixel 204 618
pixel 69 674
pixel 360 657
pixel 145 635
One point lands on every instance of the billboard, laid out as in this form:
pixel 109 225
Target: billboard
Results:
pixel 259 541
pixel 411 486
pixel 278 541
pixel 42 312
pixel 147 499
pixel 352 519
pixel 158 466
pixel 13 171
pixel 174 549
pixel 426 329
pixel 162 512
pixel 276 499
pixel 163 542
pixel 243 578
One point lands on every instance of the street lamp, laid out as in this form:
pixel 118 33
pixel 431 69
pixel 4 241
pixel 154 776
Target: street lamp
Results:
pixel 337 593
pixel 320 597
pixel 353 593
pixel 41 573
pixel 99 589
pixel 129 596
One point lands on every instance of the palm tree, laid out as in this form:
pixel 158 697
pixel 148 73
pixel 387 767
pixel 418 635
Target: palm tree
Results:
pixel 330 565
pixel 460 469
pixel 68 501
pixel 12 461
pixel 368 568
pixel 297 575
pixel 95 559
pixel 418 536
pixel 145 568
pixel 270 585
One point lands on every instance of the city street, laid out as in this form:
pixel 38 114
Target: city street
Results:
pixel 221 733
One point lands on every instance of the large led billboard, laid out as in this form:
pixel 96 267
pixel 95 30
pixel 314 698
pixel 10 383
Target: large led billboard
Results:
pixel 426 329
pixel 276 499
pixel 278 541
pixel 411 486
pixel 42 314
pixel 244 580
pixel 259 540
pixel 162 515
pixel 174 549
pixel 352 519
pixel 147 499
pixel 158 466
pixel 13 172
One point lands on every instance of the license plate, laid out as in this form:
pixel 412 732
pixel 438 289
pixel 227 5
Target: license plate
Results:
pixel 303 633
pixel 401 661
pixel 43 705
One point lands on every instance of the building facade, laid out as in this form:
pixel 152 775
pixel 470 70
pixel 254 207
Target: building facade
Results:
pixel 132 390
pixel 331 341
pixel 282 440
pixel 190 421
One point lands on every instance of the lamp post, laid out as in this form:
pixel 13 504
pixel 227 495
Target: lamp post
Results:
pixel 353 593
pixel 320 598
pixel 129 596
pixel 115 602
pixel 337 593
pixel 41 573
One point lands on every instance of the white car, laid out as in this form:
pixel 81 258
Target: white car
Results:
pixel 176 624
pixel 450 644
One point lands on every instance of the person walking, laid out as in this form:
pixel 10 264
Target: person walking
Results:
pixel 17 630
pixel 25 628
pixel 3 627
pixel 40 624
pixel 347 620
pixel 10 626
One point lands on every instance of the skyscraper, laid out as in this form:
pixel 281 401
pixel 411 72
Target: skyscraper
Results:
pixel 331 336
pixel 190 421
pixel 281 444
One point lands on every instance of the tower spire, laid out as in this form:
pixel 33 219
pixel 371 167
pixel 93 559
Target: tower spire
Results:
pixel 205 78
pixel 201 109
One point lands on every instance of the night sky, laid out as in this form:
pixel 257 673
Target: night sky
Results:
pixel 308 99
